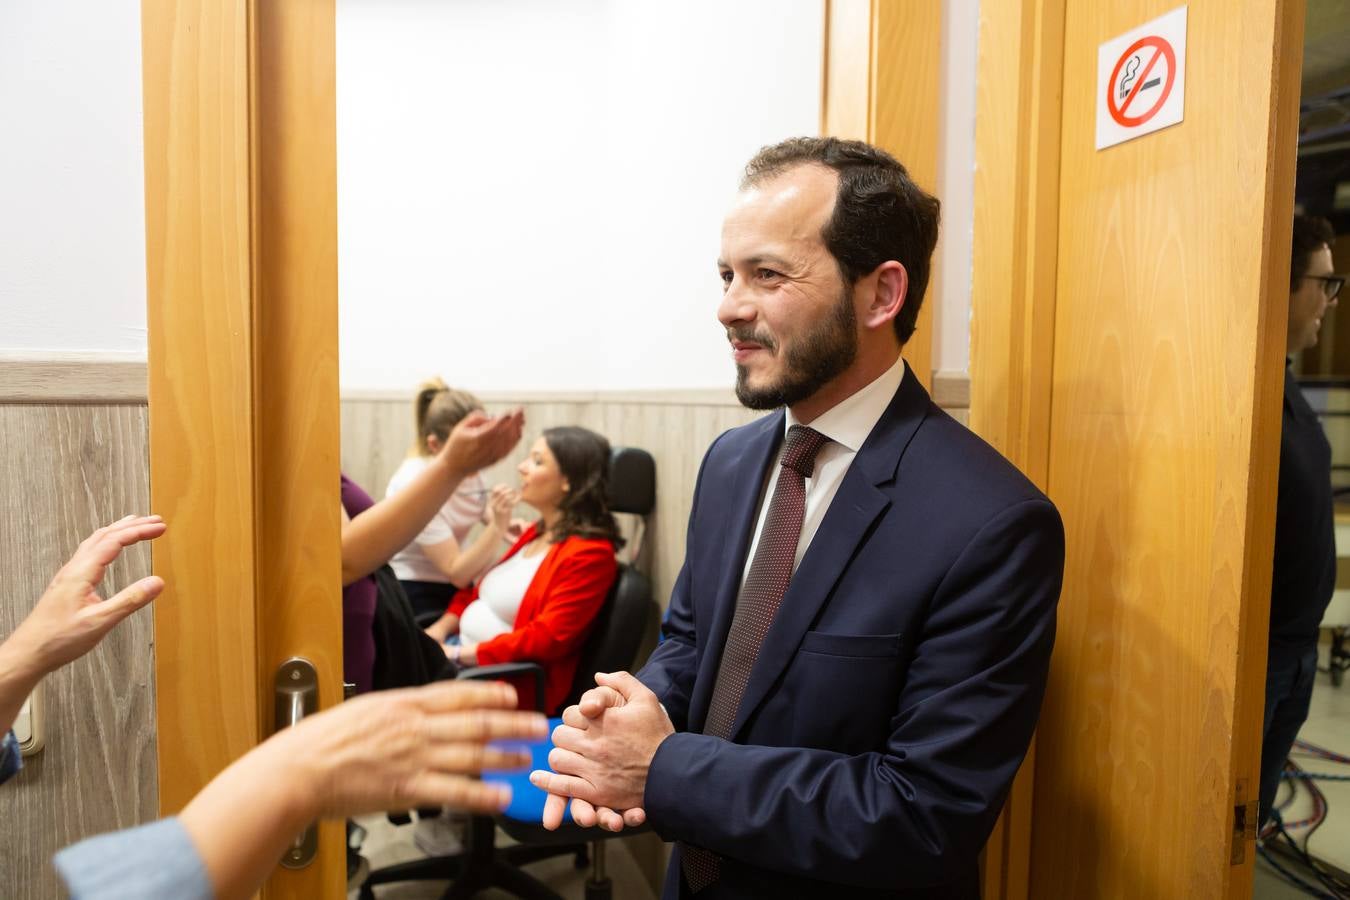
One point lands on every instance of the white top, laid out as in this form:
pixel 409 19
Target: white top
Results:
pixel 499 596
pixel 847 425
pixel 459 514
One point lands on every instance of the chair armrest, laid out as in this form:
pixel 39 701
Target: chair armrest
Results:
pixel 502 670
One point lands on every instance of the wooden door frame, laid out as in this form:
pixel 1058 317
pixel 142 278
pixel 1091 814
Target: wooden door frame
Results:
pixel 881 82
pixel 1017 133
pixel 1019 118
pixel 241 262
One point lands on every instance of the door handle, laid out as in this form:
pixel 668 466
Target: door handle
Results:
pixel 297 696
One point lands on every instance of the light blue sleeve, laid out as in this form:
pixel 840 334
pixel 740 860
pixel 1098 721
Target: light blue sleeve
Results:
pixel 155 860
pixel 11 759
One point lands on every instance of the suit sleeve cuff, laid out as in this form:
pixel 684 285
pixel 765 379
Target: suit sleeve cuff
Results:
pixel 667 798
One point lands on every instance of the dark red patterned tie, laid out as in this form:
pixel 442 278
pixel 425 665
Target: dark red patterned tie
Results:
pixel 760 596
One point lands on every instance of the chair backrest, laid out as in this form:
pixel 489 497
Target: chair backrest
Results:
pixel 619 630
pixel 632 481
pixel 629 610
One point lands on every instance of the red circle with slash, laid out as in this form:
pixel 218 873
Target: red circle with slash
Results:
pixel 1161 48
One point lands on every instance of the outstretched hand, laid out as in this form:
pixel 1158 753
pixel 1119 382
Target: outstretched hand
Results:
pixel 480 440
pixel 388 750
pixel 395 750
pixel 71 618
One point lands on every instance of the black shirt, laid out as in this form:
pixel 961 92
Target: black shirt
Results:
pixel 1305 536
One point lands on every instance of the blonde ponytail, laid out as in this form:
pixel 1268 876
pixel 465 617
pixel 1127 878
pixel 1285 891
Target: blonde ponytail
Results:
pixel 437 409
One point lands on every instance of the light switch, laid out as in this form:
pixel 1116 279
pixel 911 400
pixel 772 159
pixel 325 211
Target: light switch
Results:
pixel 28 728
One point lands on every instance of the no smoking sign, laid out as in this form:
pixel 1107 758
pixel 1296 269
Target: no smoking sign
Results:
pixel 1141 80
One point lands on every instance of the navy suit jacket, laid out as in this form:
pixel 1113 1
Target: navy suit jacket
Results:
pixel 898 688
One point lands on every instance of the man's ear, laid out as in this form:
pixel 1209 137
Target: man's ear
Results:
pixel 887 288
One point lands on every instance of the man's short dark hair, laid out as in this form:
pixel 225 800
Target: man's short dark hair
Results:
pixel 1310 233
pixel 879 214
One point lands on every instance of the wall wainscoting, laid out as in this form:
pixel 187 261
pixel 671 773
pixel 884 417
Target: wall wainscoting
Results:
pixel 676 427
pixel 69 469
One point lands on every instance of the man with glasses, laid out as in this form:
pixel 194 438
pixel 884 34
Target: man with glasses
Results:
pixel 1305 544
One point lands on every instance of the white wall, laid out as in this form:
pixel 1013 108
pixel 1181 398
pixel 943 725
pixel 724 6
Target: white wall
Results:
pixel 72 206
pixel 561 168
pixel 530 194
pixel 956 184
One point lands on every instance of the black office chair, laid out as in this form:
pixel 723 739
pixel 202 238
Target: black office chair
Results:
pixel 624 622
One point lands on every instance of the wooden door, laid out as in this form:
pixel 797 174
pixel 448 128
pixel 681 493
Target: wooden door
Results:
pixel 241 225
pixel 1127 343
pixel 881 82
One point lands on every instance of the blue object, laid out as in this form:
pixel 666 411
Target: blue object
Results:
pixel 527 801
pixel 11 760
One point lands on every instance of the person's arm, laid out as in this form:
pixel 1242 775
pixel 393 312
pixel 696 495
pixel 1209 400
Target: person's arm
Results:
pixel 71 618
pixel 462 566
pixel 382 751
pixel 372 538
pixel 443 627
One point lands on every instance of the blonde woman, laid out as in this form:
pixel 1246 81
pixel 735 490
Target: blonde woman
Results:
pixel 441 559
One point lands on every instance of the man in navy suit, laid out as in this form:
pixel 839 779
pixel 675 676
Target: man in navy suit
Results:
pixel 857 645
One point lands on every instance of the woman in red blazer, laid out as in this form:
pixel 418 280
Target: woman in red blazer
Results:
pixel 538 603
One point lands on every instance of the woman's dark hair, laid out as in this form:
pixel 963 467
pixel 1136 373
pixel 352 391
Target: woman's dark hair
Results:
pixel 879 214
pixel 583 459
pixel 1310 233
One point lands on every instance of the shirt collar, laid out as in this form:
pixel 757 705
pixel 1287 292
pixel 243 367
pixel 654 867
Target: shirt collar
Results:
pixel 850 421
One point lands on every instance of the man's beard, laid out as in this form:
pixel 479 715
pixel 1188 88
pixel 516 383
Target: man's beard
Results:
pixel 811 362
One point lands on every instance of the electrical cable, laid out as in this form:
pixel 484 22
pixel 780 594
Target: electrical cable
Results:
pixel 1291 878
pixel 1320 752
pixel 1331 882
pixel 1276 827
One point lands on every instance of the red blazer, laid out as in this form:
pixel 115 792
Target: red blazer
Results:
pixel 555 617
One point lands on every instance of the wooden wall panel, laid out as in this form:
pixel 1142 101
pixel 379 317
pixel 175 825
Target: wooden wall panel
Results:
pixel 67 470
pixel 52 377
pixel 377 431
pixel 376 435
pixel 1164 433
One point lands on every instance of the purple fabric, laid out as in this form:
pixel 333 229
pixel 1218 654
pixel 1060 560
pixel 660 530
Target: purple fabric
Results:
pixel 358 605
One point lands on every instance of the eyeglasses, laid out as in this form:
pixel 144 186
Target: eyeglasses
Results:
pixel 1331 284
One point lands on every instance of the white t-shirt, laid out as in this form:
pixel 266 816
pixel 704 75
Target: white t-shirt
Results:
pixel 455 519
pixel 499 596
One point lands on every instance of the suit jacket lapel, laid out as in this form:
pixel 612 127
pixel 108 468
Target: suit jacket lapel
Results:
pixel 855 507
pixel 740 484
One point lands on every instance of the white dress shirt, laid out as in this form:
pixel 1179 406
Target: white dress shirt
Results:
pixel 847 425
